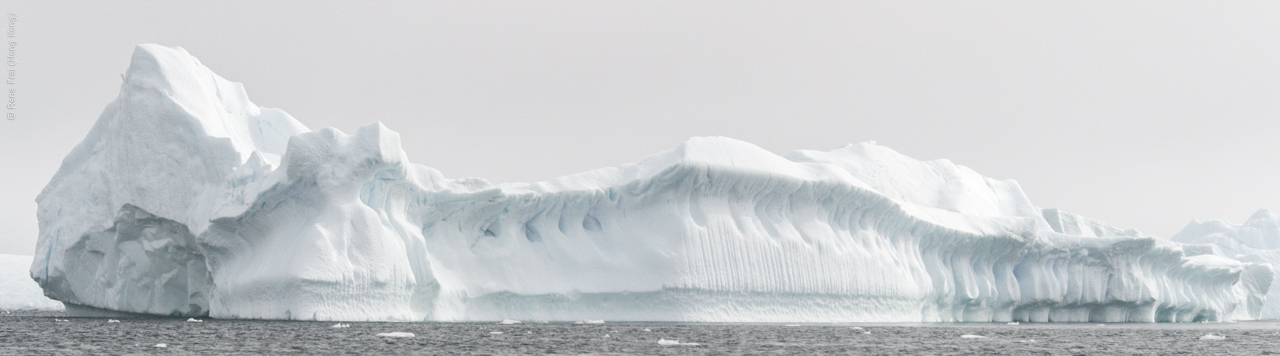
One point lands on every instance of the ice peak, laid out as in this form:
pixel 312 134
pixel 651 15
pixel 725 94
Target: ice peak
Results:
pixel 728 152
pixel 161 67
pixel 1264 214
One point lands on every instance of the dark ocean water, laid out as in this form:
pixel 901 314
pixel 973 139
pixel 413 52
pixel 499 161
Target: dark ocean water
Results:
pixel 47 333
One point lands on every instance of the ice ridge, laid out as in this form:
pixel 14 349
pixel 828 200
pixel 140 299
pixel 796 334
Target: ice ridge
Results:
pixel 187 199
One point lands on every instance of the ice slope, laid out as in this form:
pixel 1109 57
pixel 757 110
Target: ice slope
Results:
pixel 1257 240
pixel 187 199
pixel 17 291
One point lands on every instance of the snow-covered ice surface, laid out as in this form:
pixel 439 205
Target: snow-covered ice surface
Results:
pixel 17 290
pixel 1257 240
pixel 187 199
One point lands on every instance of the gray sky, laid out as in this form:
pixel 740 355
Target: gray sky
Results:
pixel 1142 114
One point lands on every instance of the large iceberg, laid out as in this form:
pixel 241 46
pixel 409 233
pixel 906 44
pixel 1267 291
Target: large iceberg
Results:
pixel 188 199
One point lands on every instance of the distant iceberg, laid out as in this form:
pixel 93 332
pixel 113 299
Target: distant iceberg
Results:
pixel 187 199
pixel 17 291
pixel 1257 240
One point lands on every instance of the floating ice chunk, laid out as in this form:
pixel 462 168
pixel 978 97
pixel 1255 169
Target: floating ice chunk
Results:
pixel 866 332
pixel 161 345
pixel 340 326
pixel 396 334
pixel 509 322
pixel 495 333
pixel 857 328
pixel 194 320
pixel 971 336
pixel 589 322
pixel 1012 323
pixel 666 342
pixel 1027 341
pixel 112 321
pixel 1213 337
pixel 646 329
pixel 606 335
pixel 1102 324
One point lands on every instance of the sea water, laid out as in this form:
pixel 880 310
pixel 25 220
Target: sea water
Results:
pixel 38 333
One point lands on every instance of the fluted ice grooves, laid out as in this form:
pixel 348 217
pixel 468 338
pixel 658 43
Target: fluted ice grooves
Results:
pixel 244 213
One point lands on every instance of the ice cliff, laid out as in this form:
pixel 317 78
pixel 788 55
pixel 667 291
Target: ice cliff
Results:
pixel 188 199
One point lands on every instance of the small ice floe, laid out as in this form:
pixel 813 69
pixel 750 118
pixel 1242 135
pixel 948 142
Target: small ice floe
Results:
pixel 1102 324
pixel 589 322
pixel 1027 341
pixel 1011 323
pixel 866 332
pixel 194 320
pixel 56 319
pixel 971 336
pixel 646 329
pixel 665 342
pixel 396 334
pixel 857 328
pixel 606 335
pixel 509 322
pixel 495 333
pixel 1213 337
pixel 112 321
pixel 161 345
pixel 340 326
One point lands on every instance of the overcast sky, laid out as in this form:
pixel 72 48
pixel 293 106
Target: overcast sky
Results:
pixel 1143 114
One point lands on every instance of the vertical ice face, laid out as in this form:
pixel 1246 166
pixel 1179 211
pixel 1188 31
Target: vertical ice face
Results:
pixel 129 199
pixel 187 199
pixel 329 252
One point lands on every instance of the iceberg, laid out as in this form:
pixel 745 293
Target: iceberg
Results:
pixel 1257 240
pixel 17 291
pixel 187 199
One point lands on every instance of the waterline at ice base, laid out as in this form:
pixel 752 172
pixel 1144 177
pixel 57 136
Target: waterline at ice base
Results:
pixel 187 199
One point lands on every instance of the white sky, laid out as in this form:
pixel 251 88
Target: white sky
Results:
pixel 1142 114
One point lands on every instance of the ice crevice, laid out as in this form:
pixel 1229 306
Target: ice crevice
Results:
pixel 187 199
